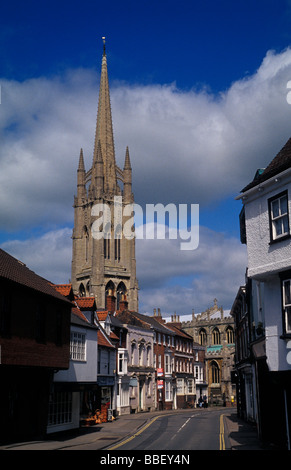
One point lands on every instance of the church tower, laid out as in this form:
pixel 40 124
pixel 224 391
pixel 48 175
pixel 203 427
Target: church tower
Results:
pixel 103 259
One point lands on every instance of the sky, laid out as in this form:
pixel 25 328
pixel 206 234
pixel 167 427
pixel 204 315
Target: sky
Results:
pixel 198 94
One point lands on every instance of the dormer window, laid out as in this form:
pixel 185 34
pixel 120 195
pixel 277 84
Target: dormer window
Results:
pixel 279 217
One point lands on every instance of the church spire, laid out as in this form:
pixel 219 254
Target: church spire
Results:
pixel 104 130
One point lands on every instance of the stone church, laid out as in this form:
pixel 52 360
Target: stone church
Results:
pixel 214 329
pixel 103 260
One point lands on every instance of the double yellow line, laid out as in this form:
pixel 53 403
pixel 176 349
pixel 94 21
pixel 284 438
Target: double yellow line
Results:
pixel 221 434
pixel 134 435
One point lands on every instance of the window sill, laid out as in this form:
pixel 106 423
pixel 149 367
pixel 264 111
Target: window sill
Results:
pixel 280 239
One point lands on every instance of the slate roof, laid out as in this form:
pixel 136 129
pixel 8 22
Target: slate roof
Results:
pixel 153 322
pixel 131 318
pixel 178 331
pixel 281 162
pixel 14 270
pixel 143 321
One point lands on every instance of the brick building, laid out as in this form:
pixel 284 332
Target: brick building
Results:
pixel 34 342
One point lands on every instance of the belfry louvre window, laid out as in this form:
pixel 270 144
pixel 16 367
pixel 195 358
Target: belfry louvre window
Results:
pixel 78 346
pixel 279 217
pixel 287 304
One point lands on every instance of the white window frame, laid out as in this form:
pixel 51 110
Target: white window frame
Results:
pixel 78 346
pixel 180 386
pixel 287 305
pixel 168 391
pixel 122 361
pixel 190 387
pixel 280 218
pixel 167 364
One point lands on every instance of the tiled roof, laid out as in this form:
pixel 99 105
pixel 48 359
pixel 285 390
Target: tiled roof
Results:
pixel 64 289
pixel 281 162
pixel 14 270
pixel 79 314
pixel 102 340
pixel 113 336
pixel 102 315
pixel 85 302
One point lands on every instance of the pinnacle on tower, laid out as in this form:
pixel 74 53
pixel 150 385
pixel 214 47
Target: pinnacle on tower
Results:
pixel 81 190
pixel 127 178
pixel 127 165
pixel 81 166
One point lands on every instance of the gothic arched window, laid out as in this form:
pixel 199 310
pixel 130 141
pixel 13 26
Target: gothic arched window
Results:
pixel 117 237
pixel 82 290
pixel 215 373
pixel 215 336
pixel 202 337
pixel 121 291
pixel 109 290
pixel 86 236
pixel 230 335
pixel 107 237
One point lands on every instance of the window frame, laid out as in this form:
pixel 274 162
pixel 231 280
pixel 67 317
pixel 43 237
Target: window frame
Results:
pixel 78 349
pixel 285 277
pixel 285 235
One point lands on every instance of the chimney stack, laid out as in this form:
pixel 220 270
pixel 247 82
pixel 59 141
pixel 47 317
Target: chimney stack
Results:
pixel 110 302
pixel 123 304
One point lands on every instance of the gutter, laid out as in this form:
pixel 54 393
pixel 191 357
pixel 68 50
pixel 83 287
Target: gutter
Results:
pixel 261 186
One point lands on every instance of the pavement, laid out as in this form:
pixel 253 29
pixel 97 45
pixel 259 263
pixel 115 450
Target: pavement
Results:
pixel 239 435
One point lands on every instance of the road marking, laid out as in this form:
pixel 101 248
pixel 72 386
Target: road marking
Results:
pixel 134 435
pixel 183 425
pixel 221 434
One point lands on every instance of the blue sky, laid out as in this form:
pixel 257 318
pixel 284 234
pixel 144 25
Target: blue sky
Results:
pixel 189 42
pixel 198 92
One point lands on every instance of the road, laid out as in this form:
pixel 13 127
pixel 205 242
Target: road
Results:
pixel 199 430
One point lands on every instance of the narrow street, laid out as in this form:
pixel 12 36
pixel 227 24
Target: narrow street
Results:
pixel 216 429
pixel 198 430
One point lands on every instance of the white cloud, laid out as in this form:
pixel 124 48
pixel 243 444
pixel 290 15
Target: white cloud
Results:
pixel 185 146
pixel 48 255
pixel 179 281
pixel 169 278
